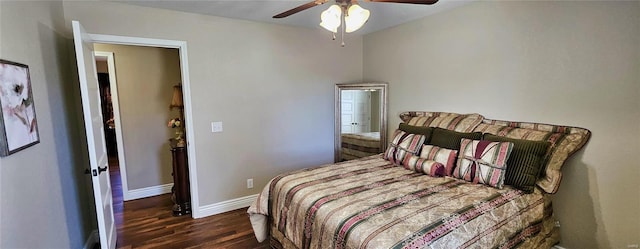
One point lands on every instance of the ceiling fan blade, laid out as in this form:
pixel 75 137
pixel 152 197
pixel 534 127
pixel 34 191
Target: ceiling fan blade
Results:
pixel 300 8
pixel 427 2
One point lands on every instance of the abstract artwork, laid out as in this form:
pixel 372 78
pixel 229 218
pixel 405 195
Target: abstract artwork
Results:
pixel 18 123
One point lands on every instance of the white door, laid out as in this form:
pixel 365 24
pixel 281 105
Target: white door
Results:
pixel 90 93
pixel 355 111
pixel 362 117
pixel 347 112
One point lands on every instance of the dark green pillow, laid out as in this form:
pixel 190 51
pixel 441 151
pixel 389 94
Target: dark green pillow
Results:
pixel 525 162
pixel 420 130
pixel 448 139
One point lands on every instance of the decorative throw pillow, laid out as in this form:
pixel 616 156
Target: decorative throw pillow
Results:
pixel 445 156
pixel 421 130
pixel 451 139
pixel 423 165
pixel 565 141
pixel 482 161
pixel 525 162
pixel 403 146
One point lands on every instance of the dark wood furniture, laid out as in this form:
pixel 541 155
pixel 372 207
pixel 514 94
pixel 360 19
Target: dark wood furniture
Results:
pixel 181 191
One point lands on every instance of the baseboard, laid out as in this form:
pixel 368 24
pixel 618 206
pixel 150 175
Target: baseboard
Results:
pixel 558 247
pixel 93 238
pixel 147 192
pixel 226 206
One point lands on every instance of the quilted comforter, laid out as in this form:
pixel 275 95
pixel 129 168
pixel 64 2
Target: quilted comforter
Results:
pixel 370 203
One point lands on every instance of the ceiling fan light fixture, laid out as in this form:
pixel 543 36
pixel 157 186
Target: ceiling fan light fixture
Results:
pixel 330 18
pixel 355 18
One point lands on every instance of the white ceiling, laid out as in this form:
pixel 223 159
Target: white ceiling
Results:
pixel 383 15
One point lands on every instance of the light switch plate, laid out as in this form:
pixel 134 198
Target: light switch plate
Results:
pixel 216 126
pixel 250 183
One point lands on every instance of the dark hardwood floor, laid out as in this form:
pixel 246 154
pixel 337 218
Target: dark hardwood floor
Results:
pixel 149 223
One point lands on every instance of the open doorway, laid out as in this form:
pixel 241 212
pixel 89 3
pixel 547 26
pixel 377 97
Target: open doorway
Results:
pixel 89 92
pixel 137 86
pixel 141 82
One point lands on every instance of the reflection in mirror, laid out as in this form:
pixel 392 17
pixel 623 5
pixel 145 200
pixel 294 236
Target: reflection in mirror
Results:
pixel 360 120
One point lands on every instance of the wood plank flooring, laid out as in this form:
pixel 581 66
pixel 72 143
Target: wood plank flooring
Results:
pixel 149 223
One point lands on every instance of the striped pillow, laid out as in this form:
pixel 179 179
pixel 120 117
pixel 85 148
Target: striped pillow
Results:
pixel 423 165
pixel 565 141
pixel 445 156
pixel 451 121
pixel 403 146
pixel 525 163
pixel 482 161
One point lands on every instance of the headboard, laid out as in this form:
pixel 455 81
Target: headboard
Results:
pixel 565 140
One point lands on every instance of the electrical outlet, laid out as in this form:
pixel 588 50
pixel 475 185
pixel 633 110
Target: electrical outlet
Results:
pixel 216 126
pixel 250 183
pixel 557 223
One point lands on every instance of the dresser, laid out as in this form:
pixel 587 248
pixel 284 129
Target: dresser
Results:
pixel 181 192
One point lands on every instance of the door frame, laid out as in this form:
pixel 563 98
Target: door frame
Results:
pixel 186 96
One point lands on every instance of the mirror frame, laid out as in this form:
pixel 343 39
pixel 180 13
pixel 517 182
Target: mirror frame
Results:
pixel 383 87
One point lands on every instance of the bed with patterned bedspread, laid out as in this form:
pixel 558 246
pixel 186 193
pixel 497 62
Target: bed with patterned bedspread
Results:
pixel 358 145
pixel 372 203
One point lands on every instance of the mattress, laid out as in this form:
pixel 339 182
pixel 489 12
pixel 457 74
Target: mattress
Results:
pixel 370 203
pixel 358 145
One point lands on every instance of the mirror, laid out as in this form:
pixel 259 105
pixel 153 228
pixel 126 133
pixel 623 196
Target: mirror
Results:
pixel 361 120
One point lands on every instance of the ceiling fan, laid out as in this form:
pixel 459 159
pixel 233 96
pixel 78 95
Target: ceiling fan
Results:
pixel 347 11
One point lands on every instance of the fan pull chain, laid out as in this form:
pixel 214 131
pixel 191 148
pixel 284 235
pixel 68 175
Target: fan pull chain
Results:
pixel 334 36
pixel 344 14
pixel 342 36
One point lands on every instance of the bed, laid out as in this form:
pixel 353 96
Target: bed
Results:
pixel 358 145
pixel 373 202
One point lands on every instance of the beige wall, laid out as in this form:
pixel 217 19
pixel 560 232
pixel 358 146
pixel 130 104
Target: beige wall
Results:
pixel 102 67
pixel 571 63
pixel 271 85
pixel 44 201
pixel 145 78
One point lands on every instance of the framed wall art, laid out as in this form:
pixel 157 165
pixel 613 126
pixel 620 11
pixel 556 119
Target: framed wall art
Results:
pixel 18 123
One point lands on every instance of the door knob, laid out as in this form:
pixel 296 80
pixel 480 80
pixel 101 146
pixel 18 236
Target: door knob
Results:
pixel 102 169
pixel 94 172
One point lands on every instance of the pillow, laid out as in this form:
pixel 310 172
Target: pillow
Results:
pixel 445 156
pixel 525 162
pixel 451 139
pixel 423 165
pixel 482 161
pixel 565 141
pixel 421 130
pixel 451 121
pixel 403 146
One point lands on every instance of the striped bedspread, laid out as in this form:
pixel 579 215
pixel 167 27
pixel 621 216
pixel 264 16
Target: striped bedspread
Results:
pixel 357 145
pixel 369 203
